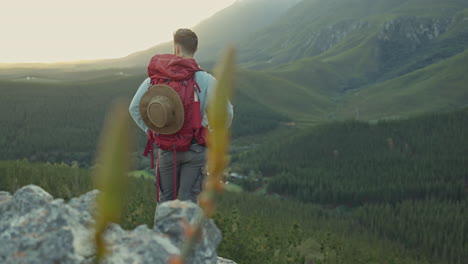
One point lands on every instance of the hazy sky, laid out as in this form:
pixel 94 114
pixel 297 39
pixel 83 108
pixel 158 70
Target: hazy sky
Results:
pixel 64 30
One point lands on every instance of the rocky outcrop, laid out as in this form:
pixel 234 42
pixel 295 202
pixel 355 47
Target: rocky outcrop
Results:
pixel 414 30
pixel 411 38
pixel 331 35
pixel 36 228
pixel 314 42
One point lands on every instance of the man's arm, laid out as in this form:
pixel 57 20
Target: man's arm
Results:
pixel 210 83
pixel 135 105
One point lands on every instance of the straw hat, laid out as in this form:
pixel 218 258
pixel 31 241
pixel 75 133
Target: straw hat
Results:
pixel 162 110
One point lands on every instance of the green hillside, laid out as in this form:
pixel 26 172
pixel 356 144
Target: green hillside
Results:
pixel 392 54
pixel 56 121
pixel 440 86
pixel 313 74
pixel 332 73
pixel 395 176
pixel 45 120
pixel 291 99
pixel 351 163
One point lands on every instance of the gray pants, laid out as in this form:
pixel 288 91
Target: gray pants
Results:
pixel 190 176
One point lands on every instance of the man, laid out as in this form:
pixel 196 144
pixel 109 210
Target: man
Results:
pixel 179 175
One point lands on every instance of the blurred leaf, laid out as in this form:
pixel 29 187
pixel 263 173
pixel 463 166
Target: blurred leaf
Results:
pixel 113 164
pixel 218 145
pixel 218 140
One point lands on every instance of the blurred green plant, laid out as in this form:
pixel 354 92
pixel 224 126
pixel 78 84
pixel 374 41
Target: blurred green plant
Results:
pixel 111 172
pixel 218 144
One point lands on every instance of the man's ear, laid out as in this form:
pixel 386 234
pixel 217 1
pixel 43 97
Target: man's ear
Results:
pixel 176 49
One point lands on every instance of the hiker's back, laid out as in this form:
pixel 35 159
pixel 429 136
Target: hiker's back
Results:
pixel 179 74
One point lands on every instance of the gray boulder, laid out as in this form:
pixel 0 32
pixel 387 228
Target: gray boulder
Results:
pixel 35 228
pixel 170 219
pixel 4 197
pixel 141 245
pixel 85 203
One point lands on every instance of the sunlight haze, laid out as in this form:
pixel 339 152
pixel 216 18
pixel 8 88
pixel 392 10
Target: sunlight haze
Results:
pixel 60 30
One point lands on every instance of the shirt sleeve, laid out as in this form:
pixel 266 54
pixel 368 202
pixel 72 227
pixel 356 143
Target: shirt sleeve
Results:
pixel 135 105
pixel 210 91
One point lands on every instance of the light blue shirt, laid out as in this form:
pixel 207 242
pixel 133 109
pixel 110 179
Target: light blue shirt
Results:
pixel 205 81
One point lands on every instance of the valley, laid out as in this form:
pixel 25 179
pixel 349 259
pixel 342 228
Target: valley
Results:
pixel 350 129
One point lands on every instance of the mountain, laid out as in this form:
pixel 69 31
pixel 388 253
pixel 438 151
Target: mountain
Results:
pixel 372 59
pixel 330 27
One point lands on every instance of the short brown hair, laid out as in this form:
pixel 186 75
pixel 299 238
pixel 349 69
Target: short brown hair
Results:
pixel 187 39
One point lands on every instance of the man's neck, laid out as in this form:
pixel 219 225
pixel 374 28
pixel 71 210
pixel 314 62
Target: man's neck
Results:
pixel 186 56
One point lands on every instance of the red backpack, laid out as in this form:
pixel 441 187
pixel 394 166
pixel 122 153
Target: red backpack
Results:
pixel 178 73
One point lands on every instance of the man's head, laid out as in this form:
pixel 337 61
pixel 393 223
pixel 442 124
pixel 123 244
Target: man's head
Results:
pixel 185 43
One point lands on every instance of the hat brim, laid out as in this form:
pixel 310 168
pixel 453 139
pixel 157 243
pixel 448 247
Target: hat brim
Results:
pixel 171 94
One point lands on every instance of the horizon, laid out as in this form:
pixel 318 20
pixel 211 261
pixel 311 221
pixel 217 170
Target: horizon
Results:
pixel 58 34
